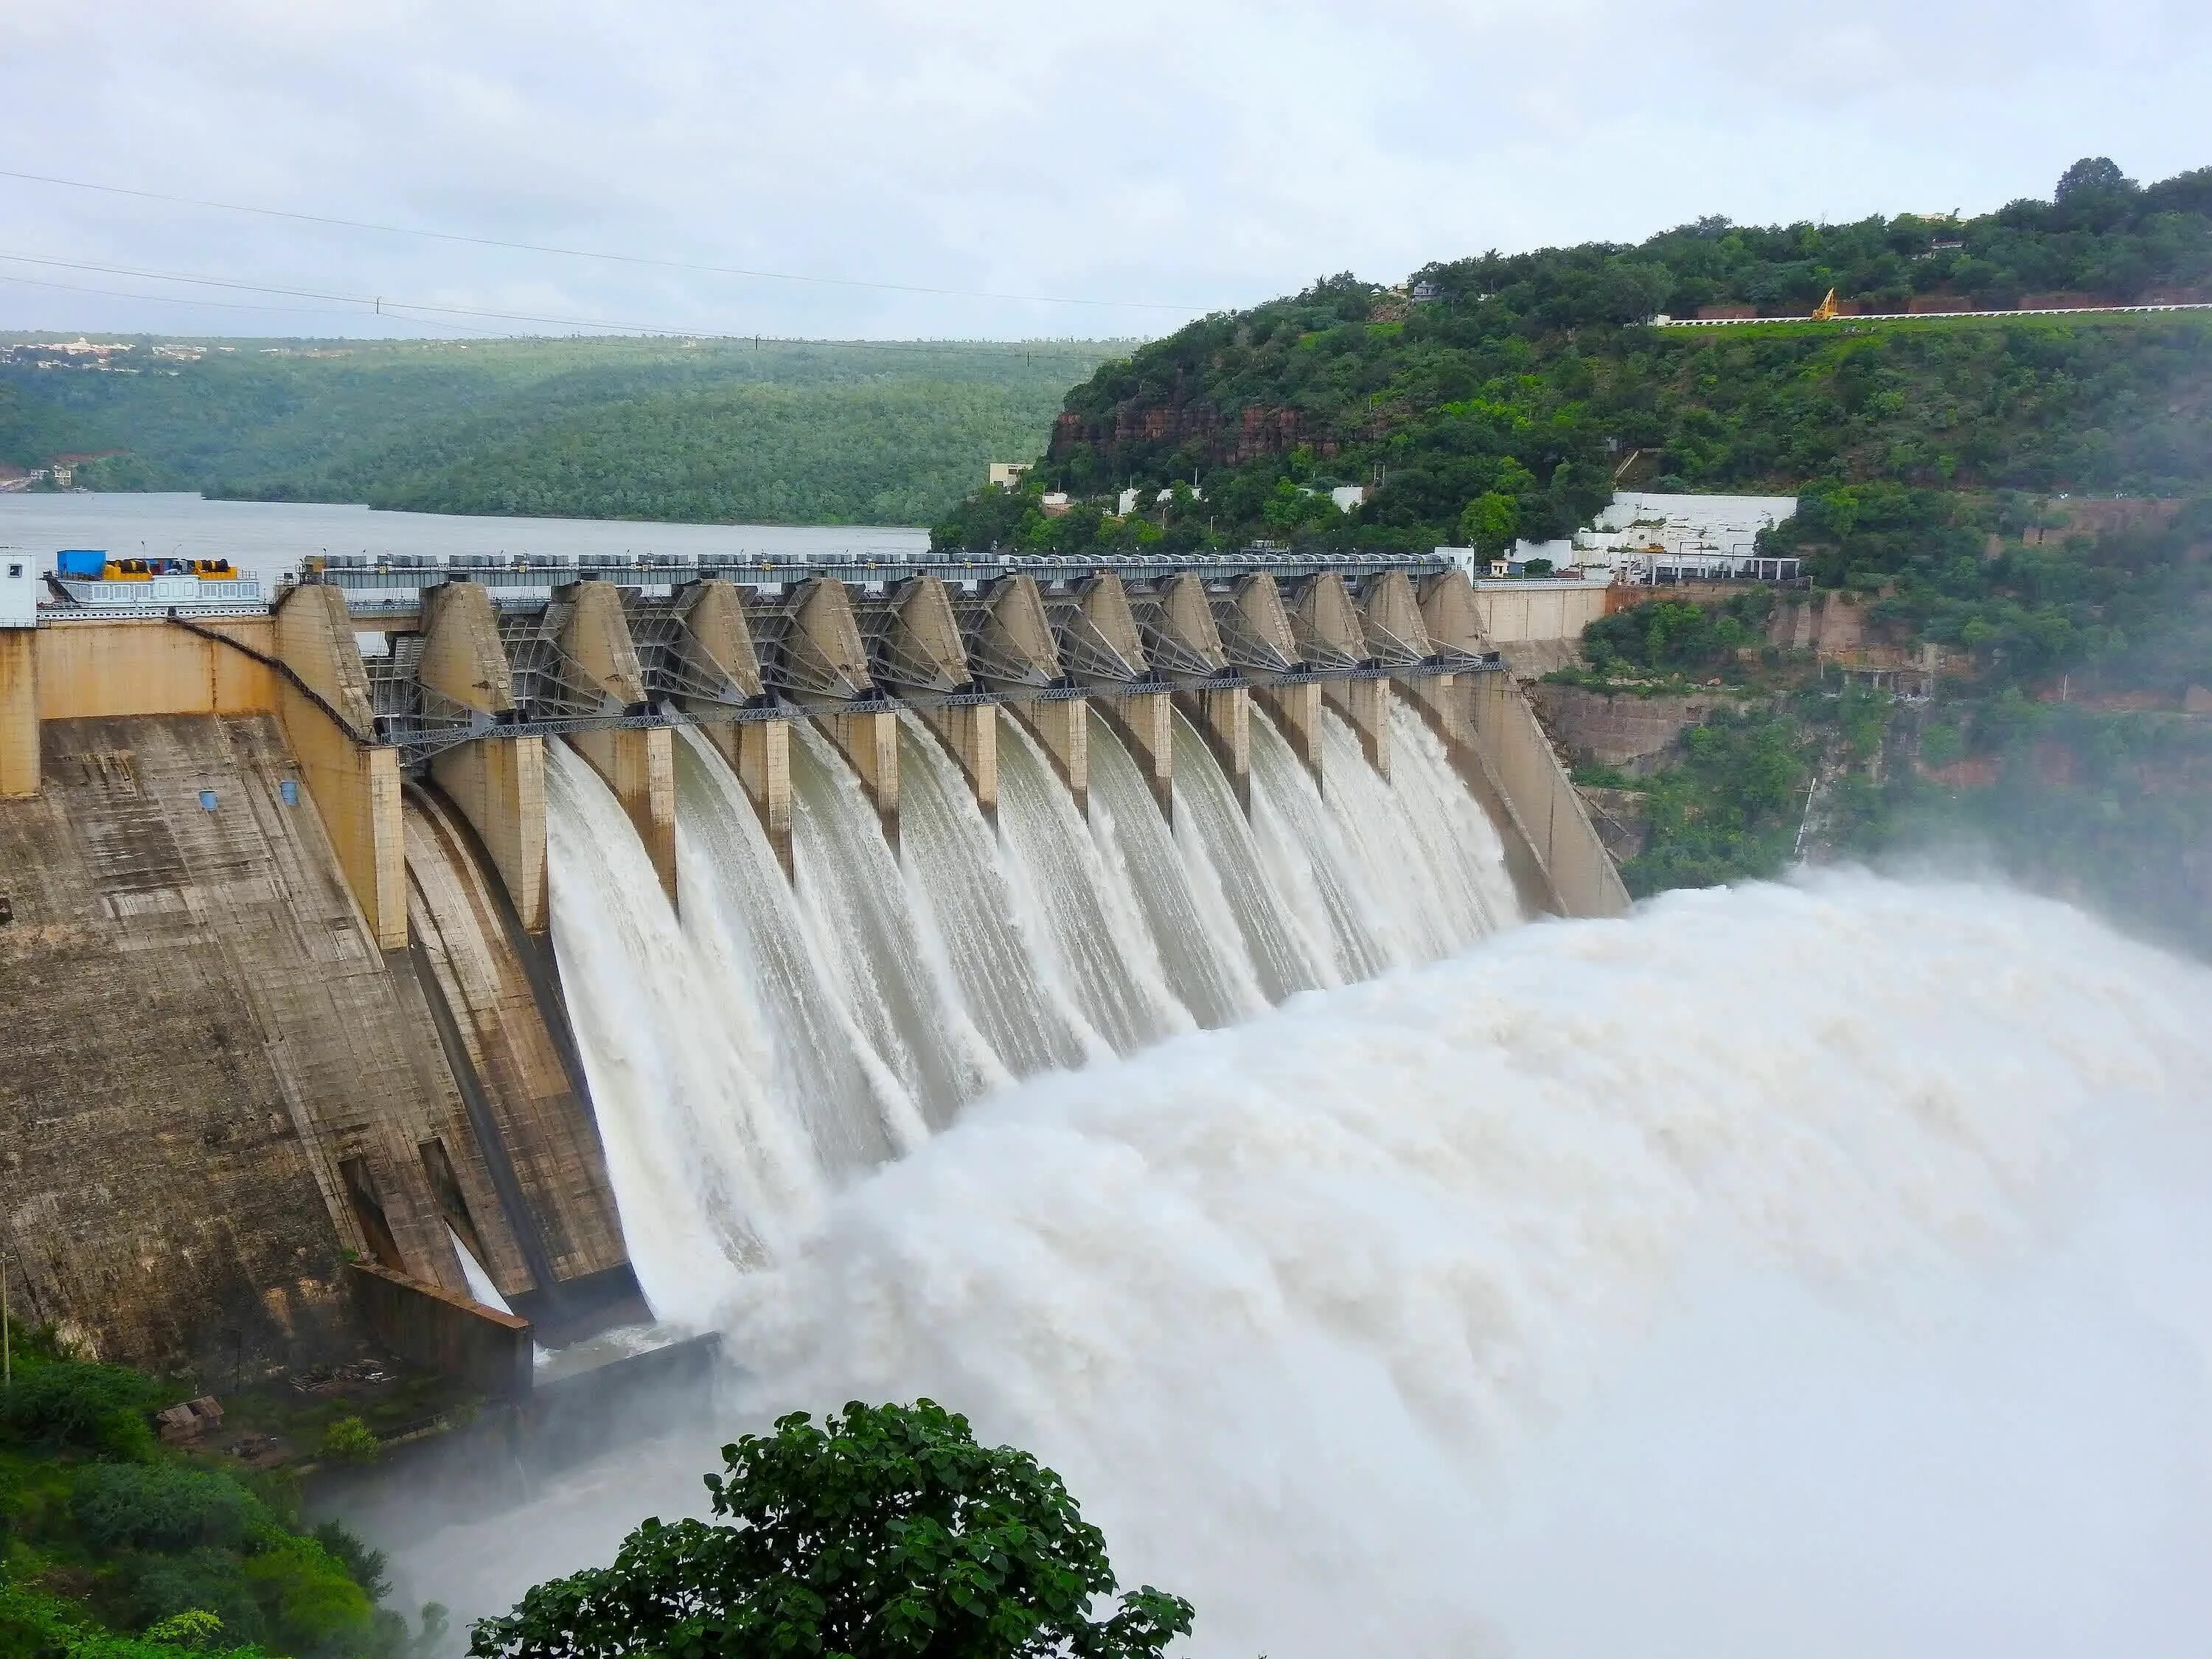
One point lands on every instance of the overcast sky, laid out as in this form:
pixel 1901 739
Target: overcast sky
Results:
pixel 1189 155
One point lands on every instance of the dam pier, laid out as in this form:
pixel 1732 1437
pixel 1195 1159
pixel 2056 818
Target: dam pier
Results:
pixel 296 1056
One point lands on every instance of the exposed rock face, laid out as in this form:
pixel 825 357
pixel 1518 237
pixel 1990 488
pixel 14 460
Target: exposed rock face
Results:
pixel 1637 734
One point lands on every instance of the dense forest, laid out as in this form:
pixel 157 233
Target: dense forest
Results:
pixel 1507 396
pixel 709 431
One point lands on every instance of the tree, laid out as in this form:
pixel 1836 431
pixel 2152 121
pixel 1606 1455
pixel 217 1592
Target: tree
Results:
pixel 2097 173
pixel 882 1534
pixel 1489 522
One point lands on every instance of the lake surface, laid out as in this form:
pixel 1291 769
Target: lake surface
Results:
pixel 270 538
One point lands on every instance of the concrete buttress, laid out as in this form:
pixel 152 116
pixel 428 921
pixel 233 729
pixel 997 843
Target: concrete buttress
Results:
pixel 1326 624
pixel 1062 729
pixel 498 783
pixel 1146 724
pixel 1296 709
pixel 353 781
pixel 19 712
pixel 638 764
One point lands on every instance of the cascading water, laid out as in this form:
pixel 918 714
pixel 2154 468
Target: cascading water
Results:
pixel 1434 862
pixel 1311 861
pixel 742 917
pixel 705 1161
pixel 1478 1311
pixel 993 938
pixel 895 970
pixel 1205 963
pixel 1090 913
pixel 1226 870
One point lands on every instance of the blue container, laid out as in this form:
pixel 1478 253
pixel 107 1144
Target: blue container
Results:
pixel 83 562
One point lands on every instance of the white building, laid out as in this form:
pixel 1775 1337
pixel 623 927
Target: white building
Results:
pixel 1347 496
pixel 18 589
pixel 1646 537
pixel 1126 503
pixel 1008 475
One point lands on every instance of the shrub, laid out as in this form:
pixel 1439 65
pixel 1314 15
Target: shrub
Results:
pixel 96 1409
pixel 350 1440
pixel 164 1507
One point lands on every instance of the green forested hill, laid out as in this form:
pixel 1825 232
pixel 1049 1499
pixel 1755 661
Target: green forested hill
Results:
pixel 1504 396
pixel 786 433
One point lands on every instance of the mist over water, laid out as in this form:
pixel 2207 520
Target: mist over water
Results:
pixel 1820 1269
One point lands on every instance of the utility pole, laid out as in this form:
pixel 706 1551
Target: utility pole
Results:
pixel 7 1337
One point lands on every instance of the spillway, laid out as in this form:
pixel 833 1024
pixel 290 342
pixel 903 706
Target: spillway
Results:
pixel 1469 1310
pixel 774 1040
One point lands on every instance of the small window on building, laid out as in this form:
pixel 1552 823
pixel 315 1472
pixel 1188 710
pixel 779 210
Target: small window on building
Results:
pixel 15 572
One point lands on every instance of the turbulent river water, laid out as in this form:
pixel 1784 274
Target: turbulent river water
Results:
pixel 1817 1269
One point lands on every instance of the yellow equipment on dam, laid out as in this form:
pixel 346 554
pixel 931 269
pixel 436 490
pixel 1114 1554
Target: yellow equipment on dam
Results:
pixel 318 879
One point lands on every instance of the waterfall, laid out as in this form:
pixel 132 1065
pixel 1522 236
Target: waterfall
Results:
pixel 1473 1311
pixel 705 1161
pixel 890 960
pixel 1204 963
pixel 1435 865
pixel 1310 860
pixel 777 1039
pixel 1225 866
pixel 774 972
pixel 1090 912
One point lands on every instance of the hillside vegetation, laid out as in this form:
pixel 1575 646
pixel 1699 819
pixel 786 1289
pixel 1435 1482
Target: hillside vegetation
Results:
pixel 1512 398
pixel 1942 467
pixel 705 431
pixel 114 1546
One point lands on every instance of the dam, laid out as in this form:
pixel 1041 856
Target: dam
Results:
pixel 437 930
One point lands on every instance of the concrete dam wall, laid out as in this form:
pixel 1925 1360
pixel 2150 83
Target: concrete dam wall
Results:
pixel 282 929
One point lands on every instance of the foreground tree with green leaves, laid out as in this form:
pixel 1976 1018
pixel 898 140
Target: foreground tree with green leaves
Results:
pixel 885 1532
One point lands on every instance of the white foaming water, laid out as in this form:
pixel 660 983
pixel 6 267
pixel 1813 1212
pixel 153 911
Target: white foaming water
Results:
pixel 773 971
pixel 1090 913
pixel 989 922
pixel 1860 1304
pixel 1226 871
pixel 1207 963
pixel 703 1159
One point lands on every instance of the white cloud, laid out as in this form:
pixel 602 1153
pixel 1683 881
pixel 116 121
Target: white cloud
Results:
pixel 1206 154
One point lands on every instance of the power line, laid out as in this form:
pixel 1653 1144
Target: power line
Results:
pixel 594 253
pixel 233 305
pixel 383 305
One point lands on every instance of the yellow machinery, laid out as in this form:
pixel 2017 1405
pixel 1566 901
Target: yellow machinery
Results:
pixel 1826 311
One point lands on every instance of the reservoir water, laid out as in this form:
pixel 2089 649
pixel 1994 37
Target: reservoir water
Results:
pixel 269 537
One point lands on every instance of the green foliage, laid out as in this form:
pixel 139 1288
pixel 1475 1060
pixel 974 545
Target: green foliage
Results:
pixel 189 1556
pixel 886 1531
pixel 82 1408
pixel 163 1506
pixel 1729 811
pixel 1505 406
pixel 710 431
pixel 350 1440
pixel 1673 636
